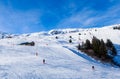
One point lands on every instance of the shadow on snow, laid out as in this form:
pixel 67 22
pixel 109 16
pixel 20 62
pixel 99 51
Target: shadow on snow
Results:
pixel 81 55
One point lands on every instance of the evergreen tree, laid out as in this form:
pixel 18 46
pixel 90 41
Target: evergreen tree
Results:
pixel 79 47
pixel 88 44
pixel 95 45
pixel 79 34
pixel 32 43
pixel 102 50
pixel 70 41
pixel 70 36
pixel 83 46
pixel 56 37
pixel 111 47
pixel 109 43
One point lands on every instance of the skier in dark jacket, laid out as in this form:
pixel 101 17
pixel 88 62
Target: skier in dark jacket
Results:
pixel 93 68
pixel 36 54
pixel 43 61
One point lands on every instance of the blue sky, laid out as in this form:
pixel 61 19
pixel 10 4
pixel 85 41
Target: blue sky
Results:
pixel 27 16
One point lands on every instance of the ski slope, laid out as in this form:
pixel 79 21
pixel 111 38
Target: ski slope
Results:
pixel 63 61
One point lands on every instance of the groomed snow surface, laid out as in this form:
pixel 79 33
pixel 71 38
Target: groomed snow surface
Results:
pixel 62 60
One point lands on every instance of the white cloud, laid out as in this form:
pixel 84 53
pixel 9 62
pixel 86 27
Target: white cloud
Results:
pixel 15 20
pixel 89 17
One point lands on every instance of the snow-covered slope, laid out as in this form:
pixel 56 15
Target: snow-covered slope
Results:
pixel 63 61
pixel 104 33
pixel 4 35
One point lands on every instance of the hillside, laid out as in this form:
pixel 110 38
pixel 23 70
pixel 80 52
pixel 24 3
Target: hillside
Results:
pixel 63 60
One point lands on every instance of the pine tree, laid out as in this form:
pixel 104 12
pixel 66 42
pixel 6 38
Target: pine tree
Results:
pixel 70 41
pixel 111 47
pixel 79 34
pixel 109 43
pixel 70 36
pixel 79 47
pixel 114 52
pixel 88 44
pixel 102 50
pixel 56 37
pixel 95 45
pixel 83 46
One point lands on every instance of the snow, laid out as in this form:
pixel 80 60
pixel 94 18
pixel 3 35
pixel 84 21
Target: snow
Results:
pixel 63 60
pixel 117 59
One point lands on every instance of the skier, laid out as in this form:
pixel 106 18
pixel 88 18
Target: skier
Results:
pixel 43 61
pixel 93 68
pixel 36 54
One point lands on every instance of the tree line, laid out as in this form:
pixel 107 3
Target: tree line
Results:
pixel 116 27
pixel 99 49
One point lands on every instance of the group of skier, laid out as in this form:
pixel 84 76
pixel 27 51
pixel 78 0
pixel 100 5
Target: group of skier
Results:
pixel 43 59
pixel 93 68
